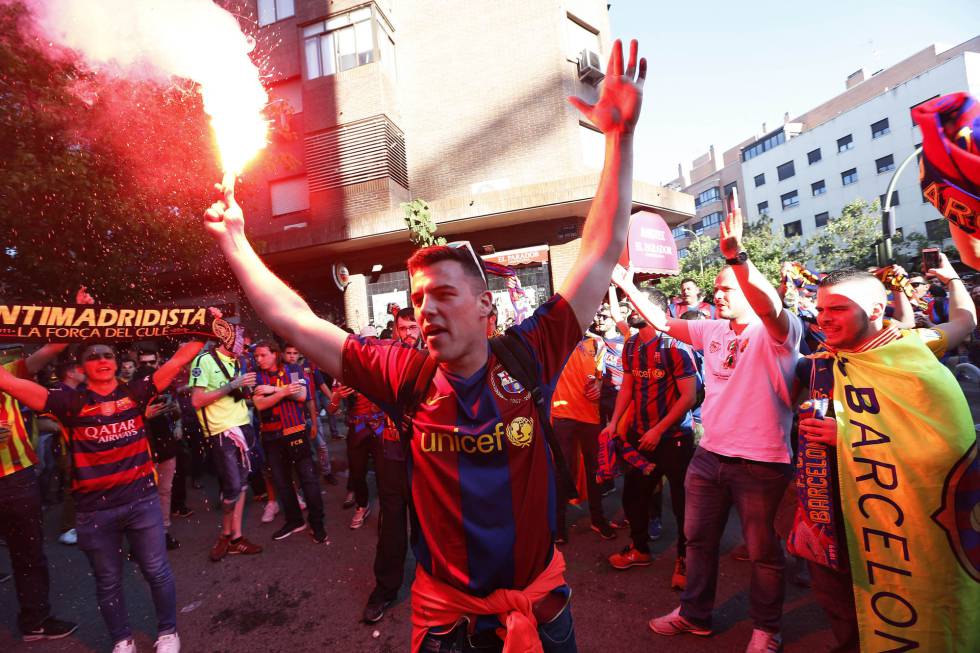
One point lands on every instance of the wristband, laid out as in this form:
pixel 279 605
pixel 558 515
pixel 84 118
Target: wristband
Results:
pixel 952 279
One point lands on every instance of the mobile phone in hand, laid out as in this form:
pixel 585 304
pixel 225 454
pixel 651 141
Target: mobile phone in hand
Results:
pixel 930 258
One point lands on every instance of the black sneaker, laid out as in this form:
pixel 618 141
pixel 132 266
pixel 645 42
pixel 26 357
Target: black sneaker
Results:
pixel 604 530
pixel 50 628
pixel 288 530
pixel 172 542
pixel 182 512
pixel 374 610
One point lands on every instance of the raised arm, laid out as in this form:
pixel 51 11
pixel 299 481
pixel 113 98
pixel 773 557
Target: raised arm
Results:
pixel 33 395
pixel 36 361
pixel 604 234
pixel 962 312
pixel 761 295
pixel 653 315
pixel 278 305
pixel 164 376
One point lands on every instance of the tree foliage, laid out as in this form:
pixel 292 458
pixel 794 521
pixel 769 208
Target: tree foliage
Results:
pixel 421 225
pixel 104 179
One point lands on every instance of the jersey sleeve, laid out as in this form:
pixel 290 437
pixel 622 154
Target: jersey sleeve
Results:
pixel 682 362
pixel 629 356
pixel 63 403
pixel 376 368
pixel 200 376
pixel 551 333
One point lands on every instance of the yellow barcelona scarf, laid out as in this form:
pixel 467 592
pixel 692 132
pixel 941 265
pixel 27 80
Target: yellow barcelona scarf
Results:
pixel 910 492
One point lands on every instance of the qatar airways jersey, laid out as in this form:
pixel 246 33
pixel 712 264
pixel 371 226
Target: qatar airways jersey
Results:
pixel 110 453
pixel 481 474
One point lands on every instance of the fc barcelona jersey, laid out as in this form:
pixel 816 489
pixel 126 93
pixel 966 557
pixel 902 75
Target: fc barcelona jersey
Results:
pixel 481 473
pixel 110 453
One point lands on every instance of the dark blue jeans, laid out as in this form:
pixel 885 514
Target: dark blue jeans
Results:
pixel 100 536
pixel 22 529
pixel 557 636
pixel 713 485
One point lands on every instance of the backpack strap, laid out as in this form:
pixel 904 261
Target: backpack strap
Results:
pixel 416 380
pixel 514 355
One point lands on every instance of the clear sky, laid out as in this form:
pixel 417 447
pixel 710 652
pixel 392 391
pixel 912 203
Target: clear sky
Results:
pixel 719 69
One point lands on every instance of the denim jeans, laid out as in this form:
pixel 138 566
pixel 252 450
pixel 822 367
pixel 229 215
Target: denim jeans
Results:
pixel 100 536
pixel 557 636
pixel 288 454
pixel 21 527
pixel 713 485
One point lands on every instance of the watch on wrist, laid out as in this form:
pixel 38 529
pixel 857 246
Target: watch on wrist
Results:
pixel 738 259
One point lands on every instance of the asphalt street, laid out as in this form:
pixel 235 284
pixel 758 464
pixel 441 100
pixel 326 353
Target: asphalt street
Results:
pixel 298 596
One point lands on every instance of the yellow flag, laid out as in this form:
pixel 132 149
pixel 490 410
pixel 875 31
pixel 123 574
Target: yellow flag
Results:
pixel 910 493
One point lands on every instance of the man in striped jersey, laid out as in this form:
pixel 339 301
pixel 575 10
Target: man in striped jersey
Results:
pixel 114 482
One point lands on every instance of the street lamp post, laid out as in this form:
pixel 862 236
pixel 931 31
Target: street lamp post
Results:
pixel 697 239
pixel 884 252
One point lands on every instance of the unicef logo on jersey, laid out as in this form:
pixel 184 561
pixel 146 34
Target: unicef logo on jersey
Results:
pixel 520 431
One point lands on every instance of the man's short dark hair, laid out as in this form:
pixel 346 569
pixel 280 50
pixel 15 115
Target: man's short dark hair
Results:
pixel 62 369
pixel 692 314
pixel 406 313
pixel 429 256
pixel 687 279
pixel 844 275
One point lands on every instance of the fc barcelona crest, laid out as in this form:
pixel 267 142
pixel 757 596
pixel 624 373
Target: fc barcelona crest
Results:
pixel 959 514
pixel 107 408
pixel 506 386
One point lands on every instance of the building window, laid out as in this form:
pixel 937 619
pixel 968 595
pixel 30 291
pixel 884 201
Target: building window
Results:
pixel 710 195
pixel 880 128
pixel 792 229
pixel 763 145
pixel 821 219
pixel 342 42
pixel 813 156
pixel 885 163
pixel 762 207
pixel 712 219
pixel 849 177
pixel 785 171
pixel 760 180
pixel 681 253
pixel 593 146
pixel 937 230
pixel 790 199
pixel 271 11
pixel 881 199
pixel 678 232
pixel 290 92
pixel 729 188
pixel 818 188
pixel 845 143
pixel 289 195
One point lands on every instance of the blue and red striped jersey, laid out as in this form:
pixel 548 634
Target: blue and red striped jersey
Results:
pixel 288 416
pixel 656 367
pixel 481 474
pixel 110 453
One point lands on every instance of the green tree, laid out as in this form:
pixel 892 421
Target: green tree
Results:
pixel 849 240
pixel 421 225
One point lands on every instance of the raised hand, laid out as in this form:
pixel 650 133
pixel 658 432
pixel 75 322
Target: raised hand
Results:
pixel 83 297
pixel 944 272
pixel 224 219
pixel 730 239
pixel 621 94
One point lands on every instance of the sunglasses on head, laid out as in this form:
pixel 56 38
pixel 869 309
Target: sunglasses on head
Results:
pixel 465 245
pixel 100 355
pixel 916 284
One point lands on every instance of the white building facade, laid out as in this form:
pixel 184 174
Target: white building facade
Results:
pixel 802 175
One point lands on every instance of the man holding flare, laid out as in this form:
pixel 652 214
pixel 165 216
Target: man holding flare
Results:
pixel 485 509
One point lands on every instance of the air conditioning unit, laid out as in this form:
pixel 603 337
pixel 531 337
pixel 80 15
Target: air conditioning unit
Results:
pixel 588 68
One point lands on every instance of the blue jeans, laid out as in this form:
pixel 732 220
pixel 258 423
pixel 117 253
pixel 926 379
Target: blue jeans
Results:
pixel 557 636
pixel 100 536
pixel 713 485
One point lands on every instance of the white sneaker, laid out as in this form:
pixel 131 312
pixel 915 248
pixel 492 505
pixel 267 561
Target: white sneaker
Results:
pixel 270 512
pixel 302 504
pixel 167 644
pixel 69 537
pixel 124 646
pixel 763 642
pixel 360 515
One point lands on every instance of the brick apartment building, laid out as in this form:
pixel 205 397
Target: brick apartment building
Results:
pixel 461 104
